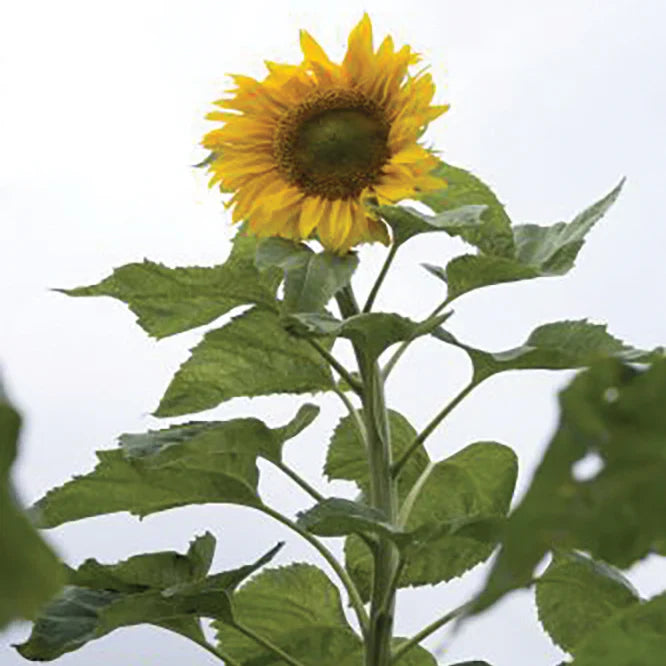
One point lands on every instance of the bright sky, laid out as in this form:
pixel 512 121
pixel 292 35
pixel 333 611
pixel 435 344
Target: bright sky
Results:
pixel 102 111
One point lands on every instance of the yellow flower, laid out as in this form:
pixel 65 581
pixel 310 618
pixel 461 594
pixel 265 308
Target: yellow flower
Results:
pixel 305 148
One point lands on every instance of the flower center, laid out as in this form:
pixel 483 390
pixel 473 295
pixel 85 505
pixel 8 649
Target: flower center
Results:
pixel 332 145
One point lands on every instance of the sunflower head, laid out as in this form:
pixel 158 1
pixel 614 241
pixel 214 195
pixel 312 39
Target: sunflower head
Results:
pixel 304 149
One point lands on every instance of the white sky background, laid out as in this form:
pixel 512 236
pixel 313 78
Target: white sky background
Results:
pixel 102 107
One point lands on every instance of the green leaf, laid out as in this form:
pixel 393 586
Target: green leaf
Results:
pixel 346 459
pixel 250 356
pixel 172 300
pixel 576 594
pixel 615 412
pixel 30 573
pixel 636 635
pixel 557 346
pixel 194 463
pixel 407 222
pixel 417 656
pixel 374 332
pixel 339 517
pixel 298 609
pixel 539 252
pixel 452 517
pixel 494 236
pixel 311 279
pixel 164 589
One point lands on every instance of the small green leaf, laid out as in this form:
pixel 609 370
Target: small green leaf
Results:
pixel 298 609
pixel 311 279
pixel 250 356
pixel 172 300
pixel 576 594
pixel 374 332
pixel 346 459
pixel 164 589
pixel 407 222
pixel 30 573
pixel 339 517
pixel 632 637
pixel 494 235
pixel 557 346
pixel 616 413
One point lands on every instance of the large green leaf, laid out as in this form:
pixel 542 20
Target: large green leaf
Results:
pixel 373 332
pixel 452 516
pixel 635 636
pixel 407 222
pixel 250 356
pixel 615 413
pixel 194 463
pixel 538 252
pixel 310 279
pixel 171 300
pixel 166 589
pixel 557 346
pixel 29 571
pixel 494 236
pixel 298 609
pixel 346 459
pixel 576 594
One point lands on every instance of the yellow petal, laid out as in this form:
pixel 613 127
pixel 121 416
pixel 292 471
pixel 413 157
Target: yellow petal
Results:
pixel 359 56
pixel 312 51
pixel 311 213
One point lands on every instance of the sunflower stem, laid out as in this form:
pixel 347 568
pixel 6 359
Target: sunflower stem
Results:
pixel 217 652
pixel 383 496
pixel 299 480
pixel 336 365
pixel 380 278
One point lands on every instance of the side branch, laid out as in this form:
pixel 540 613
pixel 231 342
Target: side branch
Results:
pixel 336 365
pixel 267 644
pixel 380 278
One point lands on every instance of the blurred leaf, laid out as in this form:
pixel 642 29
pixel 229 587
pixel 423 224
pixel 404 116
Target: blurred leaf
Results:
pixel 30 573
pixel 250 356
pixel 576 594
pixel 298 609
pixel 632 637
pixel 194 463
pixel 374 332
pixel 453 517
pixel 494 236
pixel 407 222
pixel 557 346
pixel 164 589
pixel 615 412
pixel 172 300
pixel 311 279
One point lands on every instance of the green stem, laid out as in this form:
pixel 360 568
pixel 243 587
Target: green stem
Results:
pixel 424 633
pixel 390 364
pixel 336 365
pixel 380 278
pixel 353 412
pixel 266 643
pixel 354 597
pixel 222 656
pixel 300 481
pixel 427 431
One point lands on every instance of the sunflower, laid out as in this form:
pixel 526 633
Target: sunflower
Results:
pixel 305 149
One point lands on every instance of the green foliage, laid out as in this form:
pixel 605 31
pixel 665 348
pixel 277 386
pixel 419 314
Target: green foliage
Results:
pixel 557 346
pixel 166 589
pixel 172 300
pixel 576 594
pixel 195 463
pixel 310 279
pixel 250 356
pixel 451 517
pixel 29 571
pixel 536 251
pixel 615 412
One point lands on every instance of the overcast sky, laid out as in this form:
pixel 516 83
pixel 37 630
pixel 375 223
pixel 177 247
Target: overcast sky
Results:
pixel 101 109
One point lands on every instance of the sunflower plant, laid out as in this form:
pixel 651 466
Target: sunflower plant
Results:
pixel 316 158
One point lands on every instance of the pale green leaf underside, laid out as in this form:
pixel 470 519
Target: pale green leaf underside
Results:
pixel 29 571
pixel 171 300
pixel 615 412
pixel 576 594
pixel 252 355
pixel 556 346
